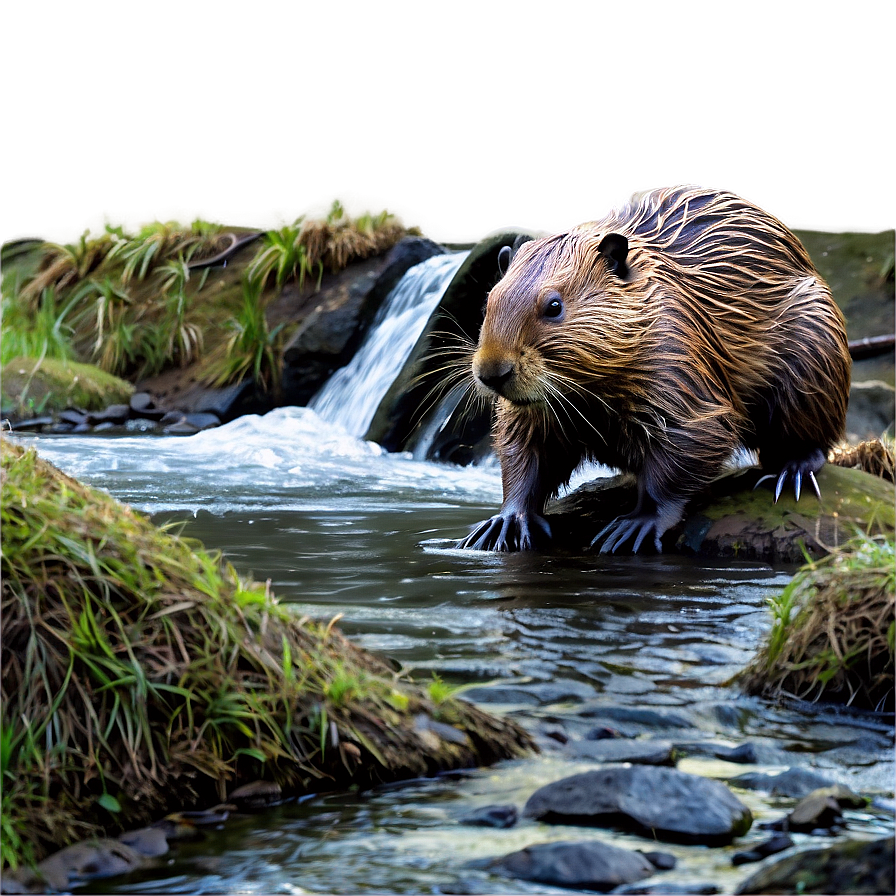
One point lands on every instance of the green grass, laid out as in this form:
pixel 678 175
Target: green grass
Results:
pixel 128 302
pixel 141 674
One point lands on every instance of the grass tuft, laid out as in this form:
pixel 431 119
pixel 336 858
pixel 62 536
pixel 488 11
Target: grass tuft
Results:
pixel 832 631
pixel 140 675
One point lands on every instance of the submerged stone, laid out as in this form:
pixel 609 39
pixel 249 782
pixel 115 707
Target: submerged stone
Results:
pixel 662 802
pixel 585 864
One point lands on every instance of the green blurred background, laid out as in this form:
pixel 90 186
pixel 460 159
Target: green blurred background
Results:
pixel 462 116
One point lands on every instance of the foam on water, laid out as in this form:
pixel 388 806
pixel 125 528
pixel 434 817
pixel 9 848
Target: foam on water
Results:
pixel 286 458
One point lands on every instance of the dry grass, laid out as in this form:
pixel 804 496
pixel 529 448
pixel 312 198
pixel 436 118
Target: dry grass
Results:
pixel 833 633
pixel 873 456
pixel 140 674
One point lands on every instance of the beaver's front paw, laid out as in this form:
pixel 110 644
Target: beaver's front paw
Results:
pixel 621 529
pixel 509 532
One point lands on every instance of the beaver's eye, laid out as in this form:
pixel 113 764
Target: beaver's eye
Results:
pixel 553 307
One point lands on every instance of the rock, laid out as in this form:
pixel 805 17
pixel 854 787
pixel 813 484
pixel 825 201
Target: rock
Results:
pixel 203 421
pixel 760 851
pixel 71 415
pixel 411 416
pixel 170 417
pixel 814 811
pixel 847 867
pixel 114 413
pixel 795 782
pixel 669 889
pixel 341 313
pixel 181 428
pixel 257 795
pixel 492 817
pixel 88 860
pixel 645 720
pixel 646 752
pixel 34 424
pixel 585 864
pixel 662 861
pixel 661 802
pixel 149 842
pixel 730 519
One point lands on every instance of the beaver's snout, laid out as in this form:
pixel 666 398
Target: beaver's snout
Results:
pixel 493 373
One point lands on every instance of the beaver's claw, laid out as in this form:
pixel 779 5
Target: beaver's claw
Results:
pixel 508 532
pixel 621 529
pixel 797 469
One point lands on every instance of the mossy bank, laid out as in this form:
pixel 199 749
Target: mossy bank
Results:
pixel 140 674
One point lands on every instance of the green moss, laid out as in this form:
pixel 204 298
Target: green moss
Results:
pixel 140 674
pixel 832 632
pixel 34 386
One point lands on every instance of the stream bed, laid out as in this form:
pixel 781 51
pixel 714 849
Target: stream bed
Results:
pixel 570 645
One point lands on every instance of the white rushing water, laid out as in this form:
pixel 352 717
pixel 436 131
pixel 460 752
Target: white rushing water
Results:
pixel 289 457
pixel 351 396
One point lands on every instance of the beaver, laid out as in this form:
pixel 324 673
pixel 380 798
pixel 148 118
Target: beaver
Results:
pixel 658 341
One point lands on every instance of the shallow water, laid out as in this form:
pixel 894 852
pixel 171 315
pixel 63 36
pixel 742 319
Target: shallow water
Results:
pixel 563 642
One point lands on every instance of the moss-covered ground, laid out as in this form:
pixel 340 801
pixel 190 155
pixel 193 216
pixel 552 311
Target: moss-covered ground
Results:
pixel 140 674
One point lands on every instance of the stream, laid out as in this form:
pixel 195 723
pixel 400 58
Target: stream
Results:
pixel 565 643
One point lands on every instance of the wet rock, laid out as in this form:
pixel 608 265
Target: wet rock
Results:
pixel 71 415
pixel 645 752
pixel 585 864
pixel 82 428
pixel 634 719
pixel 663 802
pixel 763 850
pixel 602 732
pixel 61 428
pixel 492 817
pixel 662 861
pixel 795 782
pixel 181 428
pixel 731 519
pixel 257 795
pixel 149 842
pixel 744 754
pixel 170 417
pixel 88 860
pixel 669 889
pixel 35 424
pixel 501 694
pixel 115 413
pixel 847 867
pixel 203 420
pixel 820 810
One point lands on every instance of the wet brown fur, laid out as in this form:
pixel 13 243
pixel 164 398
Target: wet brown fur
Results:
pixel 721 334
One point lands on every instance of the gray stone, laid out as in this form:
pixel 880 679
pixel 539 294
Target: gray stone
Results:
pixel 115 413
pixel 492 817
pixel 760 851
pixel 585 864
pixel 88 860
pixel 257 795
pixel 796 782
pixel 149 842
pixel 846 867
pixel 663 802
pixel 203 421
pixel 645 752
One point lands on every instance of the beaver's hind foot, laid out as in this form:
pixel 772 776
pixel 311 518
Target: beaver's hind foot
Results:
pixel 640 525
pixel 797 469
pixel 520 531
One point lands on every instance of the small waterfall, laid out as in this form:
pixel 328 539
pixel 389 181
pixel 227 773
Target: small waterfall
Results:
pixel 351 396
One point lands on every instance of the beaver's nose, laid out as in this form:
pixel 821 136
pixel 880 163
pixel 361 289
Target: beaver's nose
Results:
pixel 494 374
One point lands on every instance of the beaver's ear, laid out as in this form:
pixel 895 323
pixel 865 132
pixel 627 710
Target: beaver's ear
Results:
pixel 614 247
